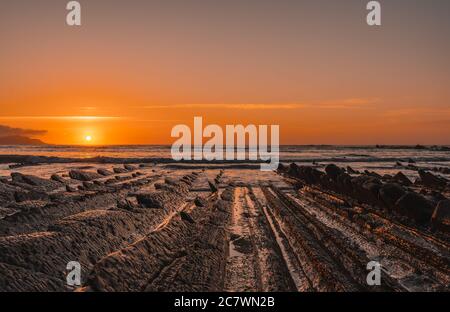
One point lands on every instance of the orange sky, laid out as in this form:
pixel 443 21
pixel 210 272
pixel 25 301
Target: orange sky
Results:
pixel 313 67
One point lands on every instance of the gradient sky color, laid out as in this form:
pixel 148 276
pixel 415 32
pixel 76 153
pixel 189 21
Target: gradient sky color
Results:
pixel 134 69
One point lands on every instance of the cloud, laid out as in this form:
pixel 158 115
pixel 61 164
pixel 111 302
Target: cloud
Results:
pixel 419 112
pixel 64 118
pixel 9 131
pixel 351 103
pixel 248 106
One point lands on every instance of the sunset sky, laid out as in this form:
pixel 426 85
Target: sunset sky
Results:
pixel 135 69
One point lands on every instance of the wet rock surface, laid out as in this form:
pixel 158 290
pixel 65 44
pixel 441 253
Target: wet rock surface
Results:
pixel 83 175
pixel 414 206
pixel 441 216
pixel 393 213
pixel 159 229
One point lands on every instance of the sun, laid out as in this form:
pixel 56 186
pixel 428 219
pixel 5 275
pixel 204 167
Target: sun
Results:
pixel 88 138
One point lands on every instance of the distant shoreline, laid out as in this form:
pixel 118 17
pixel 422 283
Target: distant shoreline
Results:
pixel 22 156
pixel 30 160
pixel 439 147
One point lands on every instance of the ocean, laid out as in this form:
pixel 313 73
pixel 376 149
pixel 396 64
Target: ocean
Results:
pixel 384 159
pixel 297 153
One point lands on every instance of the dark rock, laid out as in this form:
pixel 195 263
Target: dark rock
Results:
pixel 430 180
pixel 48 185
pixel 312 175
pixel 17 177
pixel 234 236
pixel 372 186
pixel 213 187
pixel 281 168
pixel 437 196
pixel 83 175
pixel 169 188
pixel 402 179
pixel 390 193
pixel 84 167
pixel 190 178
pixel 243 245
pixel 308 174
pixel 57 178
pixel 126 204
pixel 120 170
pixel 362 179
pixel 70 189
pixel 200 202
pixel 344 182
pixel 440 219
pixel 89 186
pixel 350 170
pixel 326 182
pixel 227 195
pixel 186 180
pixel 104 172
pixel 7 212
pixel 57 197
pixel 171 181
pixel 130 167
pixel 433 196
pixel 186 217
pixel 373 174
pixel 110 181
pixel 6 193
pixel 293 169
pixel 152 200
pixel 22 196
pixel 333 171
pixel 365 188
pixel 126 185
pixel 415 207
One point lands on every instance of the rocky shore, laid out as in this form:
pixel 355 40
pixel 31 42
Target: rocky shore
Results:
pixel 190 227
pixel 423 203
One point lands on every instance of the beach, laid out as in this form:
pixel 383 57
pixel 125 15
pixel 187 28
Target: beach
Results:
pixel 136 221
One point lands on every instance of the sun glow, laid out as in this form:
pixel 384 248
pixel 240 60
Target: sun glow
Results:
pixel 88 138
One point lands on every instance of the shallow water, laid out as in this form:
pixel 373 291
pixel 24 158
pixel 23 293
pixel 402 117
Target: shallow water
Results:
pixel 381 160
pixel 287 152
